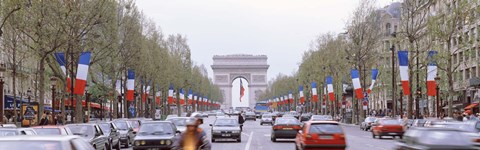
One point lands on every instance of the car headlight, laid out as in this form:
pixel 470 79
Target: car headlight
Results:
pixel 143 142
pixel 235 131
pixel 137 143
pixel 168 142
pixel 216 131
pixel 162 142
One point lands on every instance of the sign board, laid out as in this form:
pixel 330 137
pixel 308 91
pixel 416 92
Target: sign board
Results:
pixel 365 104
pixel 158 114
pixel 29 113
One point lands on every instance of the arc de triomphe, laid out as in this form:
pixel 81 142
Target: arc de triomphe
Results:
pixel 253 68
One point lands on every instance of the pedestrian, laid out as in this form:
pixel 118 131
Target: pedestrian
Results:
pixel 241 121
pixel 4 120
pixel 44 119
pixel 69 118
pixel 59 118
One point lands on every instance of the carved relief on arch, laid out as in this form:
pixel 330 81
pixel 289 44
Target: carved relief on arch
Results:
pixel 234 76
pixel 259 79
pixel 221 78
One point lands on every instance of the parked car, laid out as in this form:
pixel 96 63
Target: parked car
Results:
pixel 17 131
pixel 179 122
pixel 285 128
pixel 226 128
pixel 266 119
pixel 52 130
pixel 8 126
pixel 155 135
pixel 305 117
pixel 387 127
pixel 321 134
pixel 250 116
pixel 321 118
pixel 170 116
pixel 91 133
pixel 111 131
pixel 367 123
pixel 39 142
pixel 126 132
pixel 435 138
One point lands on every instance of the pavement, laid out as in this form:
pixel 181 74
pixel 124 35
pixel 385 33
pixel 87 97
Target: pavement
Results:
pixel 257 137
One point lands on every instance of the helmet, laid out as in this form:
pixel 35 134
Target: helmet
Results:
pixel 197 117
pixel 191 122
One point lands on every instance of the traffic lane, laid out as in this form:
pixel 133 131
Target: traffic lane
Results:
pixel 359 140
pixel 223 145
pixel 261 138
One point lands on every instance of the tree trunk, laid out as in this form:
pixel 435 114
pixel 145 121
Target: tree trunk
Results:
pixel 450 72
pixel 126 102
pixel 40 87
pixel 78 109
pixel 410 79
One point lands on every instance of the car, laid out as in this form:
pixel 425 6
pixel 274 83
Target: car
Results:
pixel 305 117
pixel 387 127
pixel 8 126
pixel 126 132
pixel 136 123
pixel 295 114
pixel 285 128
pixel 91 133
pixel 470 128
pixel 226 128
pixel 258 115
pixel 17 131
pixel 321 118
pixel 288 116
pixel 250 116
pixel 155 135
pixel 367 123
pixel 266 119
pixel 211 113
pixel 111 131
pixel 220 115
pixel 435 138
pixel 52 130
pixel 321 135
pixel 45 142
pixel 418 122
pixel 179 122
pixel 170 116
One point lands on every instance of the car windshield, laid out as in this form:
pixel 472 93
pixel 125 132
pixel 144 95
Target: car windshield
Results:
pixel 286 121
pixel 443 137
pixel 249 113
pixel 82 130
pixel 226 122
pixel 105 127
pixel 35 145
pixel 178 121
pixel 134 123
pixel 8 132
pixel 47 131
pixel 157 128
pixel 390 122
pixel 121 125
pixel 266 116
pixel 325 128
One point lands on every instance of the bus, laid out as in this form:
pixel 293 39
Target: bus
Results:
pixel 261 107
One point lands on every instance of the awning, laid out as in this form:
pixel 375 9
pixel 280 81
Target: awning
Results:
pixel 471 106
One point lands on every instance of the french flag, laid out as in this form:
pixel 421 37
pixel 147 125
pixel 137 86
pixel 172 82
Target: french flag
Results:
pixel 82 72
pixel 314 92
pixel 330 88
pixel 374 78
pixel 194 101
pixel 130 84
pixel 182 97
pixel 431 74
pixel 356 84
pixel 170 94
pixel 403 62
pixel 158 97
pixel 285 98
pixel 60 57
pixel 300 91
pixel 190 96
pixel 290 97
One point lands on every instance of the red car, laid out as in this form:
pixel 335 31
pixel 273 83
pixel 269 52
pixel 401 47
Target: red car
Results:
pixel 321 135
pixel 52 130
pixel 387 127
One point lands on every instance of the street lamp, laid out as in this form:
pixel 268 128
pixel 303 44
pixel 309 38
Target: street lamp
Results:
pixel 29 94
pixel 2 69
pixel 53 82
pixel 437 89
pixel 392 48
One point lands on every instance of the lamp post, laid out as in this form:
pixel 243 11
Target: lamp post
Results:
pixel 417 103
pixel 437 97
pixel 394 35
pixel 29 93
pixel 87 102
pixel 53 82
pixel 2 69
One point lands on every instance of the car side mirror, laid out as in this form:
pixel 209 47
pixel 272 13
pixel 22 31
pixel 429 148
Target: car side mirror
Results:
pixel 211 125
pixel 113 130
pixel 97 134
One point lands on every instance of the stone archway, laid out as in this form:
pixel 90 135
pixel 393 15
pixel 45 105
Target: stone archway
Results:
pixel 227 68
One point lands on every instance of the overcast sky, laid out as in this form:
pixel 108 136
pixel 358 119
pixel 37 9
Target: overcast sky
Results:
pixel 280 29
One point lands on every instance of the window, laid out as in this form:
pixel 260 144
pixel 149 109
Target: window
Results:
pixel 461 75
pixel 388 29
pixel 387 45
pixel 474 72
pixel 454 59
pixel 467 57
pixel 460 57
pixel 467 73
pixel 395 28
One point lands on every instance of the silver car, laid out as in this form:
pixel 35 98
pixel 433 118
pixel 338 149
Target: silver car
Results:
pixel 179 122
pixel 266 119
pixel 44 142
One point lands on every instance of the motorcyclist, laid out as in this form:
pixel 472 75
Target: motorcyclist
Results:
pixel 193 138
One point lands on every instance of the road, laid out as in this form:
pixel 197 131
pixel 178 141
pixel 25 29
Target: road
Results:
pixel 256 137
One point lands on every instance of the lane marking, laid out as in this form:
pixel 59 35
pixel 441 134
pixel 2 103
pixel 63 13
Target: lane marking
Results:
pixel 245 134
pixel 267 135
pixel 247 147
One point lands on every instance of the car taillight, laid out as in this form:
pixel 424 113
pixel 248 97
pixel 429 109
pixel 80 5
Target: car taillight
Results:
pixel 297 127
pixel 278 127
pixel 308 136
pixel 477 140
pixel 341 136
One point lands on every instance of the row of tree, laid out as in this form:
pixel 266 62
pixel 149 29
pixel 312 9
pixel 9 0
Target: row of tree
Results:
pixel 119 36
pixel 423 26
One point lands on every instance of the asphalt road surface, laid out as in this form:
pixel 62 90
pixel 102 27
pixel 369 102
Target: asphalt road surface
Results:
pixel 257 137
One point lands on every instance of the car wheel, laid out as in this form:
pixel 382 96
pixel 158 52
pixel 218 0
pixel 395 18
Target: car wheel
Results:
pixel 239 140
pixel 401 137
pixel 108 147
pixel 379 137
pixel 373 135
pixel 273 138
pixel 213 140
